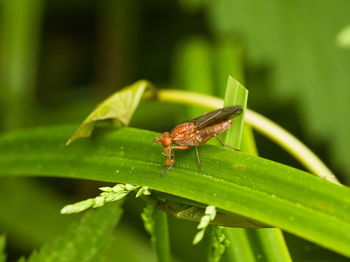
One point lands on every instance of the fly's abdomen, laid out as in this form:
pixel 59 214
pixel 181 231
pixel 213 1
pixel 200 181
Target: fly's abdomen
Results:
pixel 207 132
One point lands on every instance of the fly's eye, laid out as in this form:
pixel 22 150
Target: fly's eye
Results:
pixel 166 142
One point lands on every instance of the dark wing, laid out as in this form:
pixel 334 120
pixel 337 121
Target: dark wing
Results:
pixel 216 116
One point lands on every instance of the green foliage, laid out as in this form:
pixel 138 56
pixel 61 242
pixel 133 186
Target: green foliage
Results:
pixel 83 241
pixel 119 107
pixel 234 182
pixel 306 67
pixel 2 248
pixel 20 36
pixel 227 59
pixel 295 54
pixel 236 94
pixel 156 224
pixel 37 227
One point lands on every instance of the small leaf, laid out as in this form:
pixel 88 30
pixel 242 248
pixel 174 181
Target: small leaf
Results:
pixel 120 106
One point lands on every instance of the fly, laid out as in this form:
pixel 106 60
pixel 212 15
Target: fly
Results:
pixel 197 131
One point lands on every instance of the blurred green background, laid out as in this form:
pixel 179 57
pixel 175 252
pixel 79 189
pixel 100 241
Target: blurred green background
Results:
pixel 59 58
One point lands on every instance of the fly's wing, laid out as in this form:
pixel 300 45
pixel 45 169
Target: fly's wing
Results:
pixel 217 116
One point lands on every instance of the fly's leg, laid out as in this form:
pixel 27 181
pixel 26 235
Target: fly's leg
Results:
pixel 198 159
pixel 170 166
pixel 171 157
pixel 223 144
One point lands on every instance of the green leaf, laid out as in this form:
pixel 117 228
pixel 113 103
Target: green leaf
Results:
pixel 156 224
pixel 234 182
pixel 2 248
pixel 236 94
pixel 120 106
pixel 255 244
pixel 284 44
pixel 239 248
pixel 82 241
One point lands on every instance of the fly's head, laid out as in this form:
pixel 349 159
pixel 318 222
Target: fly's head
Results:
pixel 165 139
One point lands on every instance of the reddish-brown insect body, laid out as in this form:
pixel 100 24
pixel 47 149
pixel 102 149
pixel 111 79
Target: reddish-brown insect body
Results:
pixel 196 132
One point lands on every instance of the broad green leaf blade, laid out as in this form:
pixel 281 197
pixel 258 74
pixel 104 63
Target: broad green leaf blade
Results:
pixel 83 241
pixel 120 106
pixel 235 182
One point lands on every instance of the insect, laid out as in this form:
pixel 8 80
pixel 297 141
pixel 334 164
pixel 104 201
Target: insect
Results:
pixel 197 131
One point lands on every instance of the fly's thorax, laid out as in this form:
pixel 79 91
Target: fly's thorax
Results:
pixel 184 134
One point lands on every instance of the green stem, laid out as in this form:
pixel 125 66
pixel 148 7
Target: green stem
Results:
pixel 21 21
pixel 161 235
pixel 265 126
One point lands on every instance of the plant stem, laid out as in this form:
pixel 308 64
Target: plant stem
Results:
pixel 21 21
pixel 161 235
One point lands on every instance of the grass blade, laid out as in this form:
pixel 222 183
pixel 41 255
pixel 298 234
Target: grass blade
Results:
pixel 240 248
pixel 257 188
